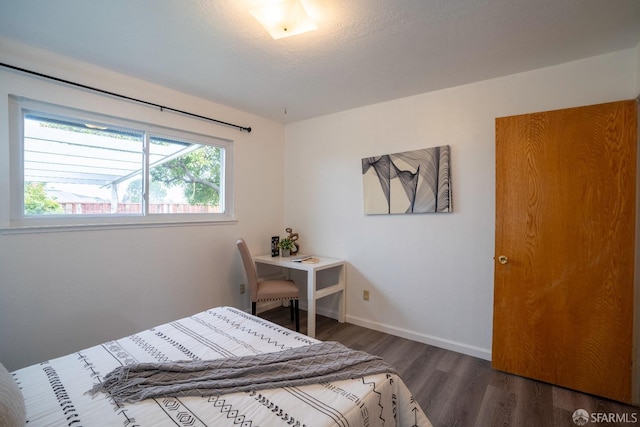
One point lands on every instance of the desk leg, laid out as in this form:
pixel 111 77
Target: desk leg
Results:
pixel 342 305
pixel 311 304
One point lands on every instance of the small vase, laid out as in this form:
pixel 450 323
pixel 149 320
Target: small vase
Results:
pixel 286 252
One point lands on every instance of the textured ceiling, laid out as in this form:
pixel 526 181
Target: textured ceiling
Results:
pixel 365 51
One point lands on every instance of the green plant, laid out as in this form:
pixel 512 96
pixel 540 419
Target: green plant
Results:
pixel 286 243
pixel 36 201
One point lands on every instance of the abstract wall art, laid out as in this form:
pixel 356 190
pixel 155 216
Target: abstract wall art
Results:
pixel 411 182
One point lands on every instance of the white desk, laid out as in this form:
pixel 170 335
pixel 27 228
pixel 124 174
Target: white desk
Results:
pixel 313 294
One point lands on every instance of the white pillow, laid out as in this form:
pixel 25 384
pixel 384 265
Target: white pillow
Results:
pixel 12 411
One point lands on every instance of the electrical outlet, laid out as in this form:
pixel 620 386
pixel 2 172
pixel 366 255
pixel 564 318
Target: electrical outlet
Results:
pixel 365 295
pixel 242 288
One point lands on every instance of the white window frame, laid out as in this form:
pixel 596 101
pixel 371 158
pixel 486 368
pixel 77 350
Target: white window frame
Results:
pixel 19 222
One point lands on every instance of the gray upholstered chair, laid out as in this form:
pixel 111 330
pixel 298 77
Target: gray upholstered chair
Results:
pixel 268 290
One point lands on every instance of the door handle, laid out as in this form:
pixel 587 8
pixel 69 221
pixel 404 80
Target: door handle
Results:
pixel 503 259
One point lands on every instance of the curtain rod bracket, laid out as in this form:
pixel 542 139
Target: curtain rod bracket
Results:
pixel 128 98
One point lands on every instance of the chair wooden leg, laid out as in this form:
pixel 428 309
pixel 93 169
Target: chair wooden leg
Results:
pixel 253 308
pixel 291 308
pixel 297 310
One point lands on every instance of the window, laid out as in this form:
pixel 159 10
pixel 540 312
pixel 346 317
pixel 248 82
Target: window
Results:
pixel 71 167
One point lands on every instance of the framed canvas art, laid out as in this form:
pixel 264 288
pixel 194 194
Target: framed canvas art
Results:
pixel 408 183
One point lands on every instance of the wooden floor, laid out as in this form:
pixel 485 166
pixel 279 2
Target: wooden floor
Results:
pixel 454 389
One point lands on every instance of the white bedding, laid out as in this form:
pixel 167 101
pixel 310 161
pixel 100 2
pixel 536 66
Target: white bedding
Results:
pixel 55 391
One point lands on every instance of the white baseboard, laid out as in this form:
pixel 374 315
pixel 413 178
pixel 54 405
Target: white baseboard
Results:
pixel 458 347
pixel 332 314
pixel 265 306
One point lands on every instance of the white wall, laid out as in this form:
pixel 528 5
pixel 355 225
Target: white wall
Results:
pixel 430 276
pixel 64 291
pixel 638 69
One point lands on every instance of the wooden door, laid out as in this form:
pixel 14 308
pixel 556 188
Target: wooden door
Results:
pixel 565 221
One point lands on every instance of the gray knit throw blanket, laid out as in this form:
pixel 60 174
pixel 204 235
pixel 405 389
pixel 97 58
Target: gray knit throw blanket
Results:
pixel 311 364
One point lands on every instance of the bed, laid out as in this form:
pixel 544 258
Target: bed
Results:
pixel 56 391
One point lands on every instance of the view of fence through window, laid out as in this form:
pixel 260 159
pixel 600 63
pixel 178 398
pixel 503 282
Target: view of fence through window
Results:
pixel 73 168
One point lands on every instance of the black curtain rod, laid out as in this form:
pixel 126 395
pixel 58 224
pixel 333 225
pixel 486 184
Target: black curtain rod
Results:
pixel 161 107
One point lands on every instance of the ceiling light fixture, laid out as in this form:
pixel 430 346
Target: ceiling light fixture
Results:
pixel 284 18
pixel 97 127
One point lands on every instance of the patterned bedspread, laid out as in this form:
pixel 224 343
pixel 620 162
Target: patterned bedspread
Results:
pixel 55 391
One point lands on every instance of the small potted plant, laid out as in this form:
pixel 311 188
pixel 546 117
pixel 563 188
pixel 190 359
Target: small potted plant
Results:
pixel 287 246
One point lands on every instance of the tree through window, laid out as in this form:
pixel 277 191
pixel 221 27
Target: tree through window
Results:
pixel 75 168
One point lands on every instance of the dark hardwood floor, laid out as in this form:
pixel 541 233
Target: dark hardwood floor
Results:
pixel 454 389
